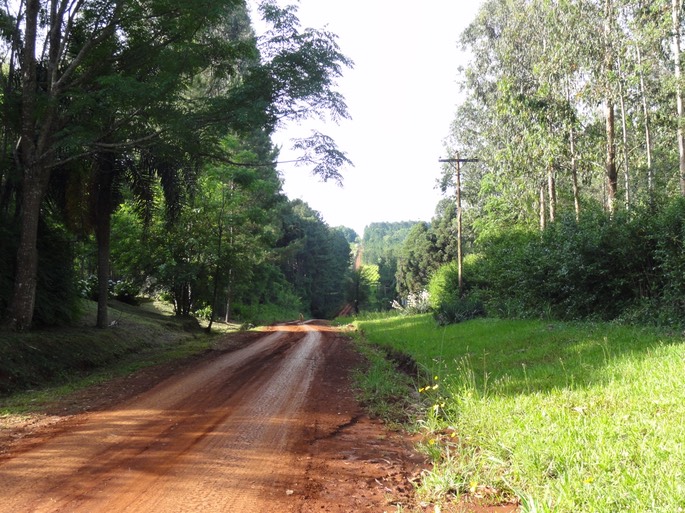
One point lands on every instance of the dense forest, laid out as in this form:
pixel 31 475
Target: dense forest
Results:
pixel 571 143
pixel 136 158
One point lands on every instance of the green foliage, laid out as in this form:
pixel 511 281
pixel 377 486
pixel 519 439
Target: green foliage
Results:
pixel 125 291
pixel 381 246
pixel 350 235
pixel 449 306
pixel 426 248
pixel 269 313
pixel 667 236
pixel 148 105
pixel 384 241
pixel 57 291
pixel 386 292
pixel 57 299
pixel 8 251
pixel 563 417
pixel 444 285
pixel 315 259
pixel 627 266
pixel 414 265
pixel 538 197
pixel 266 296
pixel 362 285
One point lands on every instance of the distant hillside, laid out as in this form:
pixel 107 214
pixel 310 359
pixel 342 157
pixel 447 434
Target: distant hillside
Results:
pixel 384 240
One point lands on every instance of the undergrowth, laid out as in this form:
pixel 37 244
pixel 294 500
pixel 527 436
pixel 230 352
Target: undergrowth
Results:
pixel 44 364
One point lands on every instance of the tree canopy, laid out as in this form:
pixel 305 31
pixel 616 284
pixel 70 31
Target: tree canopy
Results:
pixel 119 106
pixel 573 109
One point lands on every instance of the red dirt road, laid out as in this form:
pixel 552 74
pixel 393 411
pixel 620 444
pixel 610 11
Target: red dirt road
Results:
pixel 268 427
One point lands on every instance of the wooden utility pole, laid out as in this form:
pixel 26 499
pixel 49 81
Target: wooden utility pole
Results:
pixel 460 257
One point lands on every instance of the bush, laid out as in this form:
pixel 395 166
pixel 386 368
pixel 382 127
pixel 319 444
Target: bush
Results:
pixel 88 287
pixel 444 285
pixel 125 291
pixel 449 306
pixel 204 313
pixel 629 267
pixel 414 304
pixel 459 309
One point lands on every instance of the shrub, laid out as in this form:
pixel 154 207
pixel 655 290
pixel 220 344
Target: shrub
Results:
pixel 125 291
pixel 204 313
pixel 88 287
pixel 444 285
pixel 629 266
pixel 414 304
pixel 459 309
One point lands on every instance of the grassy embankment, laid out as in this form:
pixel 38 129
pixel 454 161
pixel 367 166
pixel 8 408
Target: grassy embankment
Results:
pixel 44 365
pixel 562 417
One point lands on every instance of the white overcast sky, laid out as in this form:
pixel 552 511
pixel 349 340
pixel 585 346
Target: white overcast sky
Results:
pixel 402 95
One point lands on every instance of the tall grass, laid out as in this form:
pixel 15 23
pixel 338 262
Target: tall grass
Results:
pixel 562 417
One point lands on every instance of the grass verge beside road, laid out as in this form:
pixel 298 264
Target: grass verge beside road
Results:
pixel 43 365
pixel 561 417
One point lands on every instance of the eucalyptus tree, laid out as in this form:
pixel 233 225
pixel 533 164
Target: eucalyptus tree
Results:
pixel 650 72
pixel 539 71
pixel 515 103
pixel 676 10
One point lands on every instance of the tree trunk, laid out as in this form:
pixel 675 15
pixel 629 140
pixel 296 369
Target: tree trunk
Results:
pixel 22 302
pixel 574 174
pixel 215 293
pixel 460 255
pixel 677 7
pixel 624 133
pixel 551 193
pixel 543 220
pixel 227 319
pixel 648 136
pixel 574 158
pixel 610 165
pixel 103 223
pixel 34 184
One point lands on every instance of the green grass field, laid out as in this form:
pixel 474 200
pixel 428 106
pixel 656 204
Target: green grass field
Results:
pixel 562 417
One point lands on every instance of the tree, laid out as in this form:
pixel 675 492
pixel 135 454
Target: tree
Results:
pixel 350 235
pixel 314 258
pixel 384 240
pixel 415 263
pixel 116 82
pixel 363 281
pixel 62 72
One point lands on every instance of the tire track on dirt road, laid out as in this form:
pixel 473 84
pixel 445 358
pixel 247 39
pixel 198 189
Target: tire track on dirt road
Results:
pixel 217 438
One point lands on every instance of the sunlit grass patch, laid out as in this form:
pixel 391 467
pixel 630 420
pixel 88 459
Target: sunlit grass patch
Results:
pixel 565 417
